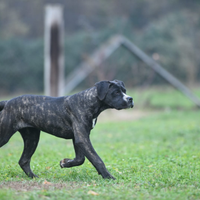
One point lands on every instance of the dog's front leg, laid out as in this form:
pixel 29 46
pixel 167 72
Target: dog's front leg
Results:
pixel 93 157
pixel 78 160
pixel 82 142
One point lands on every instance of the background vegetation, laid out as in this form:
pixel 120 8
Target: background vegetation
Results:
pixel 169 31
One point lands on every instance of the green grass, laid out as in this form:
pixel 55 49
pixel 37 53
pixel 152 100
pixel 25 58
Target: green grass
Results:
pixel 156 157
pixel 163 97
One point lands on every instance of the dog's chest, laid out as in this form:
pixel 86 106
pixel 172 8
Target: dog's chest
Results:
pixel 94 122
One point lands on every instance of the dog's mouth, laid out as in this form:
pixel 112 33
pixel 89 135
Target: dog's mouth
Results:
pixel 127 106
pixel 132 105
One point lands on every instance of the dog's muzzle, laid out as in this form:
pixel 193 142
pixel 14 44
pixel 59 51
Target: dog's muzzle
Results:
pixel 130 101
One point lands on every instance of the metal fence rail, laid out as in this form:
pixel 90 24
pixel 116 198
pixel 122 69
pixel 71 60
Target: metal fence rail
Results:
pixel 101 54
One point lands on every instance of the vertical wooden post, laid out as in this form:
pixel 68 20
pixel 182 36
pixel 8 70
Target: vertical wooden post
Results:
pixel 54 51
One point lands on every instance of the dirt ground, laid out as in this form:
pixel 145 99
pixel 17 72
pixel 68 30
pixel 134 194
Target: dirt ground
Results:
pixel 25 186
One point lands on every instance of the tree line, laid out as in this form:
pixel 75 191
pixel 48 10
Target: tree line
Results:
pixel 169 31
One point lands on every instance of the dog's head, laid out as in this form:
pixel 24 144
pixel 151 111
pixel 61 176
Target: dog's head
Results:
pixel 113 94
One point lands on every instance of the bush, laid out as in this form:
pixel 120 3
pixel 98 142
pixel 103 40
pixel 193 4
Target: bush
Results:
pixel 21 65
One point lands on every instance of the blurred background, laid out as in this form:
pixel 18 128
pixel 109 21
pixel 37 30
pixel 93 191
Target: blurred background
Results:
pixel 168 31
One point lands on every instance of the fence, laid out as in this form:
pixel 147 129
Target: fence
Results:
pixel 22 65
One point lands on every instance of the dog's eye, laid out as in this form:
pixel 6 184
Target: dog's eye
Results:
pixel 117 92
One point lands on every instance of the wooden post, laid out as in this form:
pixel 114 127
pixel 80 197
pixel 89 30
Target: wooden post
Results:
pixel 54 53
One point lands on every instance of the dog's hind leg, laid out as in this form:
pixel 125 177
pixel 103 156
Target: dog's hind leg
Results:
pixel 6 132
pixel 31 138
pixel 78 160
pixel 4 140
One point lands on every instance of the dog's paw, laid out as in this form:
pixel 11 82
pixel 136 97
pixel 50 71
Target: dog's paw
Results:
pixel 32 175
pixel 63 163
pixel 35 176
pixel 107 175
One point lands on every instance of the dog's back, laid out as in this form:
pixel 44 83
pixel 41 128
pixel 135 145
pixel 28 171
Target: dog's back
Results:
pixel 2 105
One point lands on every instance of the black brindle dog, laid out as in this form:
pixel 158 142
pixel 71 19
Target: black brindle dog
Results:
pixel 68 117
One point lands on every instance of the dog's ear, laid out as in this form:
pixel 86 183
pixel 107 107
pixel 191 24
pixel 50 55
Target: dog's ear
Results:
pixel 102 89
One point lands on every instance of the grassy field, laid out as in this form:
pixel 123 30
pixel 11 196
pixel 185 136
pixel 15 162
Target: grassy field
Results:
pixel 154 157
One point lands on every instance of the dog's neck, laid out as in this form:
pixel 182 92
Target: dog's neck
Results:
pixel 94 103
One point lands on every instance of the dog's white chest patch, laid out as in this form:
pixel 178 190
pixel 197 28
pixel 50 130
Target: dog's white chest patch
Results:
pixel 94 122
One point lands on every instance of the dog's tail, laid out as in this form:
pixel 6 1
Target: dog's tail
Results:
pixel 2 105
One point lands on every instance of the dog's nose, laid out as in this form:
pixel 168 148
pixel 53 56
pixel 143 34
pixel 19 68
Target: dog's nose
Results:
pixel 130 99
